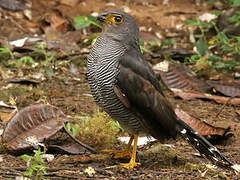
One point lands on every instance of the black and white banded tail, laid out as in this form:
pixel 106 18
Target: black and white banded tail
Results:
pixel 203 146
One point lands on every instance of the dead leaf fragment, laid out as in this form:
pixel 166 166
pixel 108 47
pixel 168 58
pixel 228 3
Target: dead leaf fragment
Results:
pixel 37 121
pixel 228 89
pixel 4 117
pixel 180 77
pixel 14 5
pixel 189 94
pixel 56 22
pixel 70 2
pixel 70 148
pixel 201 127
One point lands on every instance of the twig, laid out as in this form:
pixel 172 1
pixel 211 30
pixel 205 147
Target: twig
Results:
pixel 48 169
pixel 224 105
pixel 53 175
pixel 9 174
pixel 82 144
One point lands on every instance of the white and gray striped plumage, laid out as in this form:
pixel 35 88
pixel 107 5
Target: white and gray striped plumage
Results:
pixel 125 86
pixel 103 69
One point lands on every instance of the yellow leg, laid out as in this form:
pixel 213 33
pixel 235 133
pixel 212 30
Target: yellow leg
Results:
pixel 132 162
pixel 122 153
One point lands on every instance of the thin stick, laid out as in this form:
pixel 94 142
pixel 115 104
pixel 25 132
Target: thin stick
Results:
pixel 224 105
pixel 82 144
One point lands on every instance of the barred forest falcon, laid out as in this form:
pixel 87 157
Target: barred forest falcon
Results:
pixel 125 86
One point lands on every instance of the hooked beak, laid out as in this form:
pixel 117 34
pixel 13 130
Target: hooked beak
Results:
pixel 101 18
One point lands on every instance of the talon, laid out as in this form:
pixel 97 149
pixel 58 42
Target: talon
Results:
pixel 121 153
pixel 126 153
pixel 132 162
pixel 130 165
pixel 118 154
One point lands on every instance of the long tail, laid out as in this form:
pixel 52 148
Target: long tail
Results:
pixel 204 146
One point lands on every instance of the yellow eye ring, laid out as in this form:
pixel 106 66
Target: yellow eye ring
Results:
pixel 114 19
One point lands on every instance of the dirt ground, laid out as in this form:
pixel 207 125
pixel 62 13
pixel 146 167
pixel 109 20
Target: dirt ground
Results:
pixel 70 92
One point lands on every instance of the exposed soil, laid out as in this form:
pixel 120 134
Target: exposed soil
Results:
pixel 70 92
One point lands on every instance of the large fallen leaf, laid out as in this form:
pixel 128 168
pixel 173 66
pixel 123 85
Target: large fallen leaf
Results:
pixel 180 77
pixel 13 5
pixel 33 123
pixel 228 89
pixel 71 148
pixel 201 127
pixel 189 94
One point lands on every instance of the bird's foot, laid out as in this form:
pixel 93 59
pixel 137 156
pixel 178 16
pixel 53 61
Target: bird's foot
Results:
pixel 130 165
pixel 118 154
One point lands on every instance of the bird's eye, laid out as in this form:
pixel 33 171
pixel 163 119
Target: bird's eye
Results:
pixel 118 19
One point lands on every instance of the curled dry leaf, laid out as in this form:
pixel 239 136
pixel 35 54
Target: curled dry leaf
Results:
pixel 37 122
pixel 228 89
pixel 189 94
pixel 70 148
pixel 179 76
pixel 201 127
pixel 13 5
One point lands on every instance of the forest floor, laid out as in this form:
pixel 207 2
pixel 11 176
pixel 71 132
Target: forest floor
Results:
pixel 63 83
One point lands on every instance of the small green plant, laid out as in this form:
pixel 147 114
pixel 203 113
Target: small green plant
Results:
pixel 115 124
pixel 36 165
pixel 41 51
pixel 73 128
pixel 25 60
pixel 235 19
pixel 226 47
pixel 148 46
pixel 7 53
pixel 81 22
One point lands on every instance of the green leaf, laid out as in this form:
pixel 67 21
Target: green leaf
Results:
pixel 223 38
pixel 202 47
pixel 212 1
pixel 28 173
pixel 214 58
pixel 25 157
pixel 192 22
pixel 25 60
pixel 81 22
pixel 94 21
pixel 75 130
pixel 235 3
pixel 68 126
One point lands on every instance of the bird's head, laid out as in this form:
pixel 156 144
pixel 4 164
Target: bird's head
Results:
pixel 119 25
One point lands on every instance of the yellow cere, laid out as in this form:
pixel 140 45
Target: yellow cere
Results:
pixel 114 19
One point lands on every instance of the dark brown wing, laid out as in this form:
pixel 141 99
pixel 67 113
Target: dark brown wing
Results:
pixel 157 115
pixel 139 85
pixel 133 59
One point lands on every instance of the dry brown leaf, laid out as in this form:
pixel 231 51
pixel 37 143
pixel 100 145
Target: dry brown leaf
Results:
pixel 201 127
pixel 4 117
pixel 32 125
pixel 70 148
pixel 216 135
pixel 189 94
pixel 179 76
pixel 70 2
pixel 228 89
pixel 57 22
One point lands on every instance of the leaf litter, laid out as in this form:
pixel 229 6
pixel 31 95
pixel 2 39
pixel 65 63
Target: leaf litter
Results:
pixel 36 124
pixel 74 101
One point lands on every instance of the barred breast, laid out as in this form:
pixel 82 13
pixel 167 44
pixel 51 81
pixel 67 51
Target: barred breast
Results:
pixel 102 65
